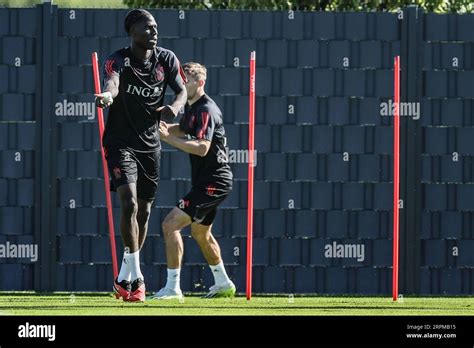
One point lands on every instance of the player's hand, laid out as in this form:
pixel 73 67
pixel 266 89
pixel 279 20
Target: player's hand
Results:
pixel 103 100
pixel 167 112
pixel 163 129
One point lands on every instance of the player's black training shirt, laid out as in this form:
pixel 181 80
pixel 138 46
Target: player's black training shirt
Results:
pixel 203 120
pixel 133 121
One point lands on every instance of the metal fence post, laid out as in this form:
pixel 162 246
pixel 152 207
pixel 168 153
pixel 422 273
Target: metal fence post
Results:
pixel 411 147
pixel 45 161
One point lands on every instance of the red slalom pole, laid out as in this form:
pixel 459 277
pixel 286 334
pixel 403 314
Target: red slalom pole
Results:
pixel 251 165
pixel 396 176
pixel 100 118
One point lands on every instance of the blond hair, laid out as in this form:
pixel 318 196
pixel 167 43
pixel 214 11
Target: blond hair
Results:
pixel 196 70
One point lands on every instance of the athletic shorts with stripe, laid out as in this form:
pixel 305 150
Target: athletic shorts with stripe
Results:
pixel 127 166
pixel 202 201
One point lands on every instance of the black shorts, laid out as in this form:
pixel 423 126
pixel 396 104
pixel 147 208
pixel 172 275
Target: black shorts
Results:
pixel 127 166
pixel 201 203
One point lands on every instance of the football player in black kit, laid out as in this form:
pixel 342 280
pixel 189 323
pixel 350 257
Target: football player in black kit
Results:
pixel 135 80
pixel 201 134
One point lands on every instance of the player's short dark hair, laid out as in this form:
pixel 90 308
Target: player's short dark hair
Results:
pixel 135 16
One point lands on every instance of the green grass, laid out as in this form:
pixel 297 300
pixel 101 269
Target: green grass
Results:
pixel 66 3
pixel 104 304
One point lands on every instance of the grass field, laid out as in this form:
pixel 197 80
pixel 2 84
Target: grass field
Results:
pixel 104 304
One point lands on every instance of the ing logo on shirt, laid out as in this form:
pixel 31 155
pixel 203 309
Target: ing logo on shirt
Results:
pixel 144 91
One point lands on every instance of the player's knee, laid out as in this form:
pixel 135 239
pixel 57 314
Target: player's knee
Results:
pixel 198 237
pixel 200 234
pixel 129 207
pixel 143 215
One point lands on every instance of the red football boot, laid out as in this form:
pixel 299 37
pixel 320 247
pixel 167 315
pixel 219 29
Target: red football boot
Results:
pixel 122 289
pixel 137 293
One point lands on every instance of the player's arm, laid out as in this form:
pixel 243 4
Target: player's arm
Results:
pixel 169 112
pixel 111 84
pixel 176 81
pixel 110 91
pixel 176 130
pixel 199 147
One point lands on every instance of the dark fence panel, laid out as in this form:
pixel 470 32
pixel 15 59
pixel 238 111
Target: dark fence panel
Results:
pixel 447 180
pixel 324 172
pixel 19 69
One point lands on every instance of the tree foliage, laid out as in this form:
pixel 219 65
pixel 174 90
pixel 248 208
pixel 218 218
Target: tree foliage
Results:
pixel 438 6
